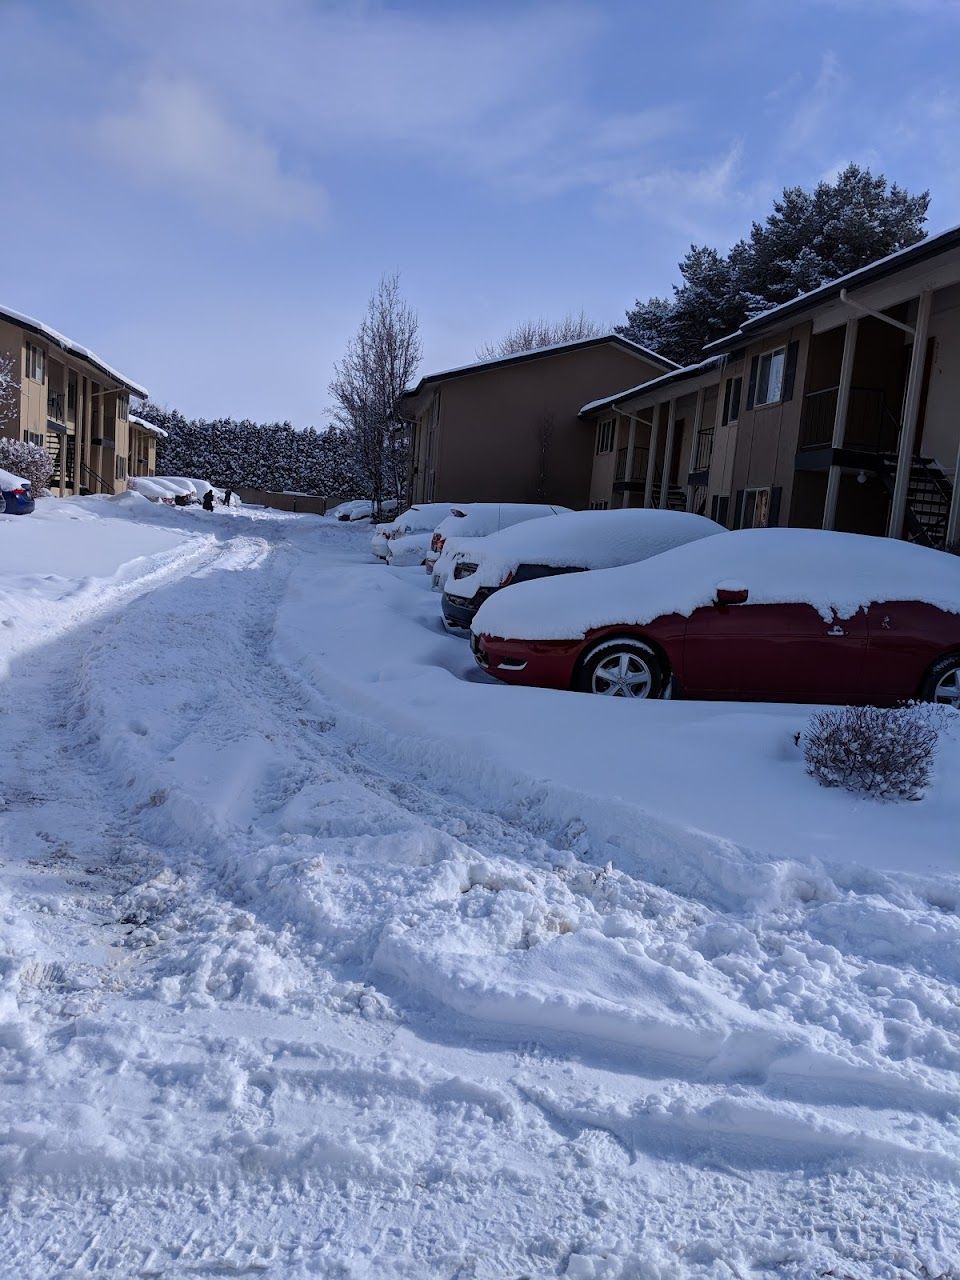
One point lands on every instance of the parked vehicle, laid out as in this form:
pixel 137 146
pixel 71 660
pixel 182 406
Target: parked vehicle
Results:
pixel 792 615
pixel 360 509
pixel 416 523
pixel 570 543
pixel 167 489
pixel 478 520
pixel 16 495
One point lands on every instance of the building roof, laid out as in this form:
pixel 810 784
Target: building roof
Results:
pixel 521 356
pixel 74 348
pixel 667 379
pixel 144 425
pixel 931 247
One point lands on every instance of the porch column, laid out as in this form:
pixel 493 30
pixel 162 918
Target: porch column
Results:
pixel 840 419
pixel 697 424
pixel 911 409
pixel 668 453
pixel 651 454
pixel 953 520
pixel 628 468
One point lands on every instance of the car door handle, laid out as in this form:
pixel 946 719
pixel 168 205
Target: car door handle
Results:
pixel 836 631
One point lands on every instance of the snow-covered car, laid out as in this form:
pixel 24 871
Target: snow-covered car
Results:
pixel 568 543
pixel 360 509
pixel 416 522
pixel 163 489
pixel 785 615
pixel 479 520
pixel 16 494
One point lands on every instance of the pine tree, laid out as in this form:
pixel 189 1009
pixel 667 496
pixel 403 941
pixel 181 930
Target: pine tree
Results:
pixel 808 238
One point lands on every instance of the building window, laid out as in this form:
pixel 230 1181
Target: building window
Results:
pixel 770 376
pixel 120 470
pixel 123 405
pixel 731 400
pixel 755 513
pixel 605 433
pixel 37 438
pixel 719 505
pixel 36 359
pixel 598 506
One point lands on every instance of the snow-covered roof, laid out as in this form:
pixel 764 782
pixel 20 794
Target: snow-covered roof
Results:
pixel 581 540
pixel 144 425
pixel 930 247
pixel 835 573
pixel 496 361
pixel 675 375
pixel 74 348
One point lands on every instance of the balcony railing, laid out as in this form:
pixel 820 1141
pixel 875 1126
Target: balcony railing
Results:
pixel 870 424
pixel 55 407
pixel 639 468
pixel 704 450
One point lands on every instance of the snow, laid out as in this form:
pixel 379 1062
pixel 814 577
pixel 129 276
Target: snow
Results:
pixel 9 481
pixel 144 425
pixel 837 573
pixel 321 954
pixel 580 539
pixel 418 520
pixel 477 519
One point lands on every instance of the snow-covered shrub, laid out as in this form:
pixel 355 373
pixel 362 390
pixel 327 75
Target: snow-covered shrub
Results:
pixel 28 461
pixel 875 752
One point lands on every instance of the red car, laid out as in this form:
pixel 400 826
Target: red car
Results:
pixel 792 615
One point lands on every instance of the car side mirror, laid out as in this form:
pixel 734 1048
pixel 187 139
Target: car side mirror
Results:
pixel 731 594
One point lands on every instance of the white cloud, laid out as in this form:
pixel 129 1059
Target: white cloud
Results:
pixel 174 135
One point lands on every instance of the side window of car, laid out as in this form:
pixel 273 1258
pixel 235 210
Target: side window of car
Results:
pixel 526 572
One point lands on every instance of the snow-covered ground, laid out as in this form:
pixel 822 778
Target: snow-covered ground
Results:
pixel 323 955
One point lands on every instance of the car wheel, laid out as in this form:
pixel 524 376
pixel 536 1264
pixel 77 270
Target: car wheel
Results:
pixel 943 682
pixel 623 669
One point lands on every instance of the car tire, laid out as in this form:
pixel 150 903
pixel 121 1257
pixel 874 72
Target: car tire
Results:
pixel 623 668
pixel 942 682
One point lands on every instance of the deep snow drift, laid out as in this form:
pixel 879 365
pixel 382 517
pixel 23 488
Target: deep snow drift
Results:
pixel 321 955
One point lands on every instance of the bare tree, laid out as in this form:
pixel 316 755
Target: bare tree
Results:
pixel 368 382
pixel 534 334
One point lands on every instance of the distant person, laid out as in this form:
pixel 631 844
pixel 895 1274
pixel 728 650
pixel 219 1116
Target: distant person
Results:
pixel 208 500
pixel 227 495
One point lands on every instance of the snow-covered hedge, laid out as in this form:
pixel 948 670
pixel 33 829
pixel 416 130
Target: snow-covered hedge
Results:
pixel 27 460
pixel 883 753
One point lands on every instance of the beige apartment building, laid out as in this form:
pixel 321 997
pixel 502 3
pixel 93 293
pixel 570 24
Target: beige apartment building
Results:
pixel 76 407
pixel 840 409
pixel 508 429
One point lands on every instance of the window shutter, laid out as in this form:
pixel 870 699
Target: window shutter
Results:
pixel 752 388
pixel 738 506
pixel 790 370
pixel 735 400
pixel 773 511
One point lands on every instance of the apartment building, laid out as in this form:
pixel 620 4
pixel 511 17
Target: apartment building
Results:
pixel 839 409
pixel 73 405
pixel 508 429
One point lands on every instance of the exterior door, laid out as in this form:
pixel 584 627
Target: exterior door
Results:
pixel 781 652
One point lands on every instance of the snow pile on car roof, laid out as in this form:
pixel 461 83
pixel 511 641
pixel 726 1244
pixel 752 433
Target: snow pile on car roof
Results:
pixel 583 540
pixel 836 573
pixel 9 481
pixel 478 519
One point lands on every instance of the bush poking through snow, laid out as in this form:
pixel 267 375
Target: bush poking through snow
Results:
pixel 874 752
pixel 28 461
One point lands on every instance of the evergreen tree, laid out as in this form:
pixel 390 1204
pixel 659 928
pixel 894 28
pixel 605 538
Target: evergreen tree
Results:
pixel 809 237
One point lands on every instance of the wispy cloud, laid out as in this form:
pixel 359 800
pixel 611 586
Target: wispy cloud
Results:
pixel 175 137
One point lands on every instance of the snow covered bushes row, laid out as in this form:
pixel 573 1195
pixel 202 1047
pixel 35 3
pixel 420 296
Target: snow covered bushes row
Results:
pixel 883 753
pixel 28 461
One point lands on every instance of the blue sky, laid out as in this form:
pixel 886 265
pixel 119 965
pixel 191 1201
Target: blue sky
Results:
pixel 206 191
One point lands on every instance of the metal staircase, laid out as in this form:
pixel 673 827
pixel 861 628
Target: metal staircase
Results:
pixel 928 499
pixel 676 496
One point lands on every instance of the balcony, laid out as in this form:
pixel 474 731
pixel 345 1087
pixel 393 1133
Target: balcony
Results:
pixel 622 483
pixel 871 427
pixel 702 455
pixel 56 419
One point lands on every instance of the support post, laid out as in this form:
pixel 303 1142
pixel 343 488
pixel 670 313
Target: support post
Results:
pixel 953 520
pixel 697 424
pixel 651 454
pixel 628 468
pixel 840 419
pixel 668 453
pixel 911 411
